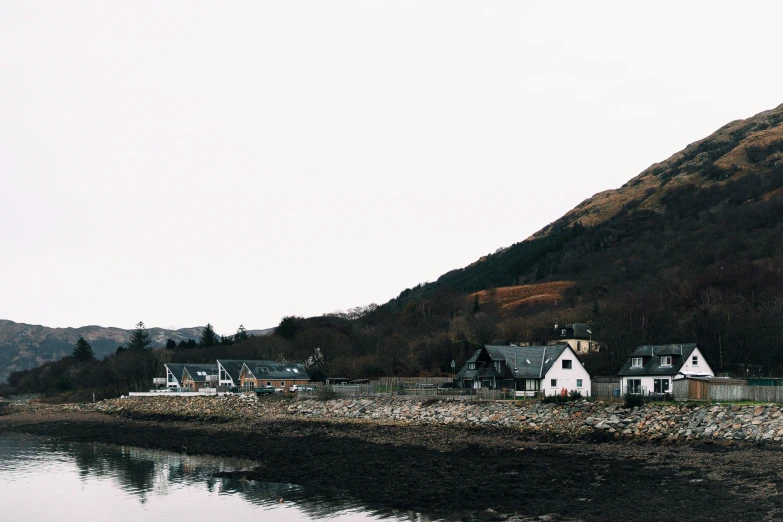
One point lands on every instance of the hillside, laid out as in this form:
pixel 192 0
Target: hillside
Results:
pixel 691 249
pixel 24 346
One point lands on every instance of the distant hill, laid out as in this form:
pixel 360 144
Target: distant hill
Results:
pixel 24 346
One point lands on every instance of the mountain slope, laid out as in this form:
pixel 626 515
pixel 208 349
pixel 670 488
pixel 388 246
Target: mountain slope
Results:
pixel 739 166
pixel 25 346
pixel 690 249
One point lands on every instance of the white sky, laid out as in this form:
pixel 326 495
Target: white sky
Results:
pixel 180 162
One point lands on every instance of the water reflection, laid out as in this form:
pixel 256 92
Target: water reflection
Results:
pixel 133 484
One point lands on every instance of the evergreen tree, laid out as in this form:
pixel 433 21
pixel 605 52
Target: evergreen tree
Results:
pixel 476 306
pixel 241 334
pixel 226 340
pixel 171 344
pixel 191 344
pixel 183 344
pixel 288 327
pixel 208 336
pixel 82 351
pixel 140 338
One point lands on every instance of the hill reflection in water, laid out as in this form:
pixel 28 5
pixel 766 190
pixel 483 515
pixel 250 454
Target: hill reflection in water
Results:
pixel 47 478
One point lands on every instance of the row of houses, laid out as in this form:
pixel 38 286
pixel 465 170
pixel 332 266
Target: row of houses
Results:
pixel 556 369
pixel 234 373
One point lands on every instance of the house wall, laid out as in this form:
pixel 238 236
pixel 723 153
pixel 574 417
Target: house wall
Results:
pixel 169 382
pixel 702 368
pixel 566 378
pixel 579 345
pixel 648 384
pixel 228 381
pixel 187 382
pixel 260 383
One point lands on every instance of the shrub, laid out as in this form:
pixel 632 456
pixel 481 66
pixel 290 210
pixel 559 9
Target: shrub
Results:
pixel 575 395
pixel 633 400
pixel 325 394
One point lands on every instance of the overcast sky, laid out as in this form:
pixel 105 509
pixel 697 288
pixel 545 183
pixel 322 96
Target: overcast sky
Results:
pixel 180 162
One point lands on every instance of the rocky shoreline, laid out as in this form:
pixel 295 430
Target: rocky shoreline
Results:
pixel 463 460
pixel 728 424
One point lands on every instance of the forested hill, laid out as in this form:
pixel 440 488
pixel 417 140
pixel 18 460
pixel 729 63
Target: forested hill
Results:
pixel 690 249
pixel 25 346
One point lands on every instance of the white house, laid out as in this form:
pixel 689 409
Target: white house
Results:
pixel 527 370
pixel 652 368
pixel 174 374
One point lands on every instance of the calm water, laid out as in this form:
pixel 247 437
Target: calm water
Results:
pixel 42 479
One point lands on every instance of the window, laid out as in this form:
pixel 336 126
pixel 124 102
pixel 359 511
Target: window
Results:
pixel 634 386
pixel 471 366
pixel 636 362
pixel 268 383
pixel 553 383
pixel 695 360
pixel 579 346
pixel 563 332
pixel 666 360
pixel 579 383
pixel 497 366
pixel 282 383
pixel 566 364
pixel 661 385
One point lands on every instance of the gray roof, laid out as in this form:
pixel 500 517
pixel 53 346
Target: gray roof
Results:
pixel 263 369
pixel 233 367
pixel 651 359
pixel 272 370
pixel 176 369
pixel 206 369
pixel 574 331
pixel 522 362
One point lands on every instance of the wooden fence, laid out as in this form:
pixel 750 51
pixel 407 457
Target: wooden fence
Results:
pixel 733 393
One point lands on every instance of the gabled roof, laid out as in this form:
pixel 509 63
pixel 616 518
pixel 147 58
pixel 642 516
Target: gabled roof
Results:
pixel 176 369
pixel 651 359
pixel 199 372
pixel 272 370
pixel 574 331
pixel 233 367
pixel 522 362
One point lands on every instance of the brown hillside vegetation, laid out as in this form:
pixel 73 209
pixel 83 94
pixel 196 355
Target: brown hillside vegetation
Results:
pixel 740 148
pixel 510 298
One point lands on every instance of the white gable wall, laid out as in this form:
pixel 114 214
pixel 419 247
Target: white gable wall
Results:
pixel 566 378
pixel 169 382
pixel 221 372
pixel 700 368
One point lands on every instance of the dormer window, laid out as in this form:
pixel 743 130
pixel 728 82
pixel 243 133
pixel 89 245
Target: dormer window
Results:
pixel 636 362
pixel 666 360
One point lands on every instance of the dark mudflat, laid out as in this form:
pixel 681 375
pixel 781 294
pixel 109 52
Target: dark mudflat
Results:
pixel 455 472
